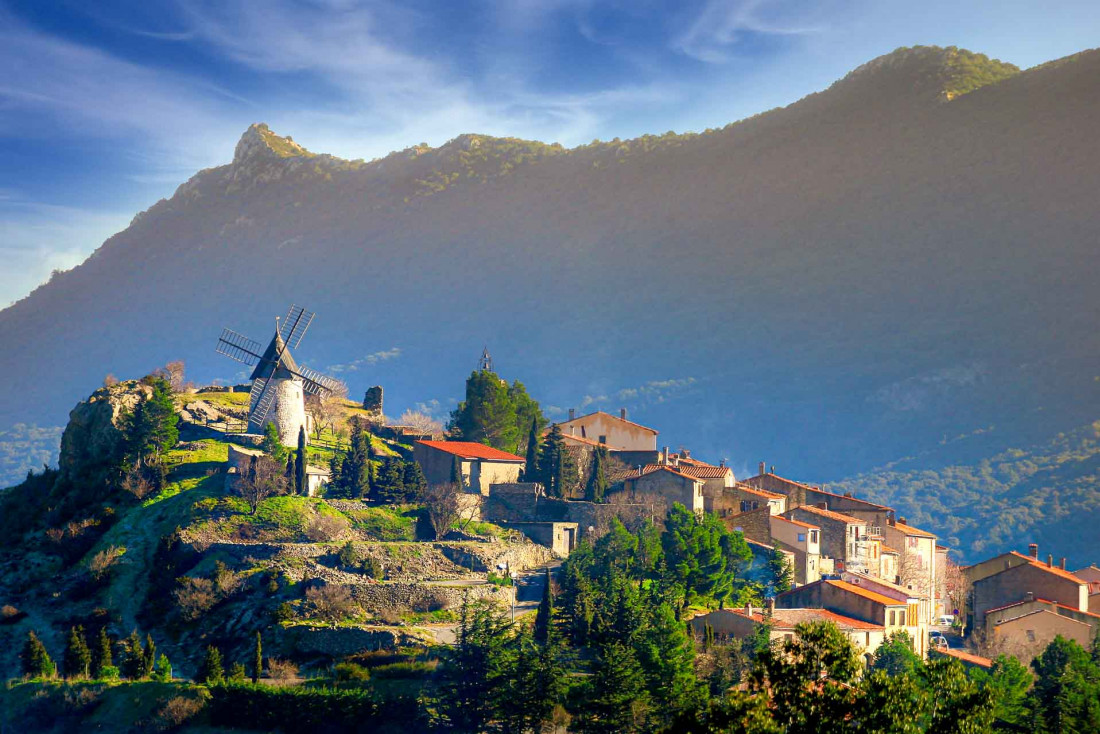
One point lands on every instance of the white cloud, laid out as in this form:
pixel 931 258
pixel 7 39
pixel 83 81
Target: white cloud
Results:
pixel 721 24
pixel 368 361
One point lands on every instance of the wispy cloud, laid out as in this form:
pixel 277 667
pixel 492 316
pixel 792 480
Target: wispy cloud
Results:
pixel 368 361
pixel 724 23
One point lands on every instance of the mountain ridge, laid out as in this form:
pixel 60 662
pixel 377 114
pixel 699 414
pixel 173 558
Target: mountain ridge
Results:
pixel 798 238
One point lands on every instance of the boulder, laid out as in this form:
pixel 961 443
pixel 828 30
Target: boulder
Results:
pixel 93 438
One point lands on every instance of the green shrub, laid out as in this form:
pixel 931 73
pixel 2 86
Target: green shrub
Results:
pixel 109 672
pixel 351 673
pixel 372 567
pixel 293 709
pixel 412 669
pixel 348 556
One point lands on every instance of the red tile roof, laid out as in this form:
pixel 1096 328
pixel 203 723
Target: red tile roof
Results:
pixel 799 523
pixel 756 490
pixel 1051 569
pixel 865 593
pixel 788 618
pixel 653 468
pixel 910 530
pixel 830 514
pixel 965 657
pixel 580 439
pixel 705 471
pixel 1042 601
pixel 819 489
pixel 471 450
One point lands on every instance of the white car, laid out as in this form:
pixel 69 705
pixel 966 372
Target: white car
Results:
pixel 938 641
pixel 946 620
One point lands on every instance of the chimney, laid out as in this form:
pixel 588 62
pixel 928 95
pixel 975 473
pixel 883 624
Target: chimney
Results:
pixel 1031 596
pixel 1033 550
pixel 622 413
pixel 902 520
pixel 664 456
pixel 1062 564
pixel 771 604
pixel 762 467
pixel 572 413
pixel 1050 560
pixel 685 453
pixel 722 463
pixel 848 495
pixel 748 609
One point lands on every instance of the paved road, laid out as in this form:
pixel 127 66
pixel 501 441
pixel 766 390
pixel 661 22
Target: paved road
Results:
pixel 529 589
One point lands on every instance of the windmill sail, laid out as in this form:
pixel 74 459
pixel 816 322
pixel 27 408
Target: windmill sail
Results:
pixel 238 346
pixel 294 326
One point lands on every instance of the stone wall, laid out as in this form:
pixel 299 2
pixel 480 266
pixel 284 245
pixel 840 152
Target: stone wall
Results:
pixel 396 598
pixel 340 642
pixel 520 502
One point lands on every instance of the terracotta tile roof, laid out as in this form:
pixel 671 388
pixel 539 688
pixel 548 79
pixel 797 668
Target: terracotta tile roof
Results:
pixel 471 450
pixel 883 582
pixel 653 468
pixel 819 489
pixel 613 417
pixel 1050 569
pixel 830 514
pixel 581 439
pixel 788 618
pixel 1043 601
pixel 865 593
pixel 688 461
pixel 799 523
pixel 1041 611
pixel 910 530
pixel 888 549
pixel 705 471
pixel 966 657
pixel 762 492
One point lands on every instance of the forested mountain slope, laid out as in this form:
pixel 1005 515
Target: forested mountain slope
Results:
pixel 1047 494
pixel 907 256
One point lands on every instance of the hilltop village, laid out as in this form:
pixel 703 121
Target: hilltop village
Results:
pixel 280 532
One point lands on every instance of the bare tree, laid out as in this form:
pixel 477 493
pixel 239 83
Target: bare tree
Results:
pixel 420 423
pixel 328 409
pixel 264 478
pixel 956 585
pixel 136 483
pixel 447 505
pixel 331 602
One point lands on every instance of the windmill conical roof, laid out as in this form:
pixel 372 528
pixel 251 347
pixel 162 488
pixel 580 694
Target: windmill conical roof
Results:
pixel 272 364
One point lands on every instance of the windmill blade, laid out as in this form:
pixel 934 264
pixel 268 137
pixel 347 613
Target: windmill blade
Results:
pixel 239 347
pixel 314 383
pixel 294 326
pixel 258 386
pixel 260 402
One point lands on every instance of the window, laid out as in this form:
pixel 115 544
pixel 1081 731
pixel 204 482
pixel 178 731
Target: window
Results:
pixel 603 439
pixel 1031 635
pixel 893 617
pixel 813 536
pixel 912 541
pixel 901 618
pixel 802 537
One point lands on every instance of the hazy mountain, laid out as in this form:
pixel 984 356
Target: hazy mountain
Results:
pixel 904 262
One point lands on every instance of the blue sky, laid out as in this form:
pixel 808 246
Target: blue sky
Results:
pixel 106 107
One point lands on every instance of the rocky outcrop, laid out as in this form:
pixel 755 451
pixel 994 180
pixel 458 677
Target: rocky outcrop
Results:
pixel 94 436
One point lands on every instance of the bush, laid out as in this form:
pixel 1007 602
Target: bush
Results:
pixel 351 673
pixel 109 672
pixel 326 528
pixel 405 670
pixel 331 602
pixel 348 556
pixel 372 567
pixel 177 711
pixel 434 602
pixel 297 710
pixel 195 597
pixel 285 612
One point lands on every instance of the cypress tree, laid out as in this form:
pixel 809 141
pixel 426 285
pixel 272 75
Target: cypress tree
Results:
pixel 531 466
pixel 257 659
pixel 544 619
pixel 101 657
pixel 300 463
pixel 597 479
pixel 148 657
pixel 557 469
pixel 456 472
pixel 355 467
pixel 36 660
pixel 211 671
pixel 77 660
pixel 414 482
pixel 133 660
pixel 288 471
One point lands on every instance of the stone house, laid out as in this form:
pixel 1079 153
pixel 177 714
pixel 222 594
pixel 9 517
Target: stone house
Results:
pixel 741 498
pixel 917 615
pixel 854 601
pixel 744 622
pixel 479 465
pixel 917 569
pixel 889 562
pixel 617 433
pixel 665 484
pixel 799 494
pixel 1027 635
pixel 804 540
pixel 840 535
pixel 1021 576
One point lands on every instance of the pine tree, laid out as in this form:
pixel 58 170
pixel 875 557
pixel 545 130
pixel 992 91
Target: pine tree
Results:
pixel 479 668
pixel 152 427
pixel 101 656
pixel 354 478
pixel 300 463
pixel 531 466
pixel 390 486
pixel 237 673
pixel 535 687
pixel 780 571
pixel 257 659
pixel 272 444
pixel 211 671
pixel 163 670
pixel 77 661
pixel 544 618
pixel 667 656
pixel 36 660
pixel 597 479
pixel 617 700
pixel 148 657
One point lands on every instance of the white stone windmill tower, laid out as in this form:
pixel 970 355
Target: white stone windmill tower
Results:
pixel 279 384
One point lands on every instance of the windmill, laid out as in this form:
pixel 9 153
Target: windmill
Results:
pixel 279 384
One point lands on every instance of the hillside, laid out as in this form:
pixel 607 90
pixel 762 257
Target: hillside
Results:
pixel 1047 494
pixel 907 256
